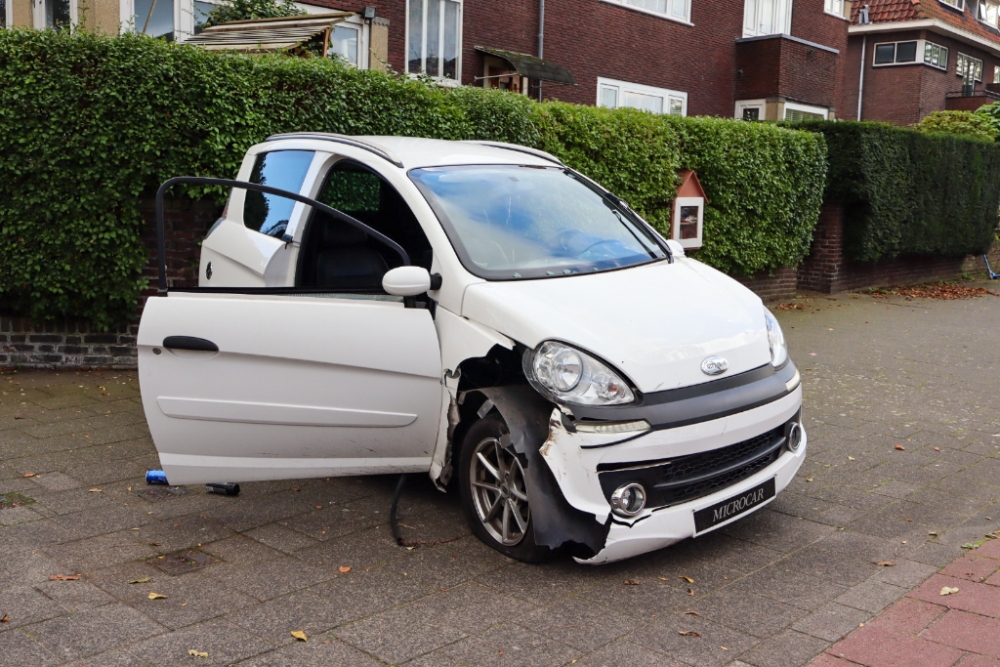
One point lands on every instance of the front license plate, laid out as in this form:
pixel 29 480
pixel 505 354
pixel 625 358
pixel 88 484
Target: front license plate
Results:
pixel 731 507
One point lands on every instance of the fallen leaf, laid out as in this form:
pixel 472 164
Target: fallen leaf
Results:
pixel 5 619
pixel 886 563
pixel 937 449
pixel 932 532
pixel 723 647
pixel 18 416
pixel 630 582
pixel 156 596
pixel 809 479
pixel 851 458
pixel 969 545
pixel 687 579
pixel 664 578
pixel 691 613
pixel 948 591
pixel 64 577
pixel 345 568
pixel 29 474
pixel 900 448
pixel 96 490
pixel 300 635
pixel 319 507
pixel 144 580
pixel 197 654
pixel 690 591
pixel 689 633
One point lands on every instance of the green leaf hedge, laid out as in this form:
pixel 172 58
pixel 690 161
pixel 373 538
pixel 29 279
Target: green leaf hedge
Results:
pixel 910 193
pixel 91 124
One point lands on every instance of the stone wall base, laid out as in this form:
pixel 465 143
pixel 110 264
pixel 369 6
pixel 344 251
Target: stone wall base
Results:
pixel 65 344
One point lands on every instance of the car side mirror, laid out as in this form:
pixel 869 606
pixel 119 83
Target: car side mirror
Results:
pixel 676 249
pixel 407 281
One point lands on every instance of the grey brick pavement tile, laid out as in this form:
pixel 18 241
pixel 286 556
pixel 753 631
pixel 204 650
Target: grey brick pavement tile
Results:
pixel 832 622
pixel 240 549
pixel 786 649
pixel 436 659
pixel 114 579
pixel 446 565
pixel 885 485
pixel 839 515
pixel 272 578
pixel 714 560
pixel 93 631
pixel 280 538
pixel 245 513
pixel 850 497
pixel 777 531
pixel 25 605
pixel 56 481
pixel 623 652
pixel 933 553
pixel 101 521
pixel 785 582
pixel 538 585
pixel 318 651
pixel 191 598
pixel 74 596
pixel 398 635
pixel 905 573
pixel 650 598
pixel 794 504
pixel 101 551
pixel 116 658
pixel 224 642
pixel 872 595
pixel 365 548
pixel 510 644
pixel 580 623
pixel 335 521
pixel 705 650
pixel 471 607
pixel 747 613
pixel 19 650
pixel 275 620
pixel 17 515
pixel 845 557
pixel 23 567
pixel 363 593
pixel 184 532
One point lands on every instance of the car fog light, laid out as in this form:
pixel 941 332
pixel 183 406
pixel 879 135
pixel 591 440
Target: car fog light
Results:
pixel 794 437
pixel 628 500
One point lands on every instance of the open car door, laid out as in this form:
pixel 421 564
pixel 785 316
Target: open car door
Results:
pixel 243 384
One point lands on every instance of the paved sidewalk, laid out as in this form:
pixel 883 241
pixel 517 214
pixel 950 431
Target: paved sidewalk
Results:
pixel 777 589
pixel 952 618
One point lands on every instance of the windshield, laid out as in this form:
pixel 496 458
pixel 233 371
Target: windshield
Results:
pixel 508 222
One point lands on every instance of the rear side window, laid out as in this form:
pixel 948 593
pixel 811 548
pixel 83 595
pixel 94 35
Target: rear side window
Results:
pixel 268 214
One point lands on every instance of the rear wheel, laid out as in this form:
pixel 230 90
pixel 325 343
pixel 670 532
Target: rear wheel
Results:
pixel 494 493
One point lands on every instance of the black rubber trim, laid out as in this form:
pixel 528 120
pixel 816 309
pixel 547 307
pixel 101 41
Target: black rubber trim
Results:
pixel 699 403
pixel 189 343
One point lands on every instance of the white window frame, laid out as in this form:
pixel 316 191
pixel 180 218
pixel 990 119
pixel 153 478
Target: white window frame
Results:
pixel 785 29
pixel 624 86
pixel 830 5
pixel 9 14
pixel 423 59
pixel 675 233
pixel 980 5
pixel 958 4
pixel 663 15
pixel 805 108
pixel 356 22
pixel 750 104
pixel 38 13
pixel 183 20
pixel 919 58
pixel 996 74
pixel 958 59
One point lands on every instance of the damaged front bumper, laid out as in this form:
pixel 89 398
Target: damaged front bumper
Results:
pixel 684 468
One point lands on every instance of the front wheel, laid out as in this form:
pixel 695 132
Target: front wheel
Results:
pixel 494 493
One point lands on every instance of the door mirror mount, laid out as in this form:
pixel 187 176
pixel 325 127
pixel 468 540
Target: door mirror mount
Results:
pixel 407 281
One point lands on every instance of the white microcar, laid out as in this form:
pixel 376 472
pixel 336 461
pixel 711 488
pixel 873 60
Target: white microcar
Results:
pixel 477 311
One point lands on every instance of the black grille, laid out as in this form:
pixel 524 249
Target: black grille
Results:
pixel 685 478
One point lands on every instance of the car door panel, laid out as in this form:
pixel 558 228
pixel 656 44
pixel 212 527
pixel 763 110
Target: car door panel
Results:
pixel 300 386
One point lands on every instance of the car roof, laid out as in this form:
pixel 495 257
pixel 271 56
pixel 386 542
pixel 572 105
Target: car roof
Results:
pixel 411 152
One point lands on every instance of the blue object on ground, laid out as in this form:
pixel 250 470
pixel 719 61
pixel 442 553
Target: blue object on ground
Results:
pixel 156 477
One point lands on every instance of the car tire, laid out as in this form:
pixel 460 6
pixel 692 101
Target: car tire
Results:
pixel 494 496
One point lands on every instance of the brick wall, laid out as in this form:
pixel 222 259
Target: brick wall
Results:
pixel 780 67
pixel 828 269
pixel 778 285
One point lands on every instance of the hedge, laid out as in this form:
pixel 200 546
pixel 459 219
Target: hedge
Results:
pixel 91 124
pixel 908 193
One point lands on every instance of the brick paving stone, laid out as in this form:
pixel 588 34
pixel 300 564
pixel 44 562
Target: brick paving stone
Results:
pixel 224 642
pixel 832 621
pixel 979 661
pixel 971 596
pixel 872 595
pixel 877 647
pixel 785 649
pixel 94 631
pixel 909 616
pixel 969 632
pixel 397 635
pixel 715 646
pixel 509 644
pixel 971 567
pixel 579 623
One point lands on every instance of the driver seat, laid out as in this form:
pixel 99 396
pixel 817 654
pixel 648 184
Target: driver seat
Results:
pixel 346 261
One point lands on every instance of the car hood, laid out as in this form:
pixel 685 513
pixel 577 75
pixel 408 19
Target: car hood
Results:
pixel 655 323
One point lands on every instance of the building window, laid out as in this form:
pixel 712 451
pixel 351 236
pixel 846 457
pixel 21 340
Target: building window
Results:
pixel 154 18
pixel 750 110
pixel 996 74
pixel 935 56
pixel 767 17
pixel 616 94
pixel 988 11
pixel 835 7
pixel 957 4
pixel 895 53
pixel 3 14
pixel 434 37
pixel 201 12
pixel 969 67
pixel 679 10
pixel 796 112
pixel 55 14
pixel 345 42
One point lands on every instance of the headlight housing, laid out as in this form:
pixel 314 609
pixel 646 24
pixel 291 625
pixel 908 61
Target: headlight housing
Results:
pixel 776 340
pixel 568 375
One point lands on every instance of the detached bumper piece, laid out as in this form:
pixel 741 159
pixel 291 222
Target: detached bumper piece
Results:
pixel 685 478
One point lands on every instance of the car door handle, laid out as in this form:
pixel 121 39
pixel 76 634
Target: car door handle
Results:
pixel 189 343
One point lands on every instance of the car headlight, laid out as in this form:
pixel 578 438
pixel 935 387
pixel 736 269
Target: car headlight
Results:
pixel 568 375
pixel 776 340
